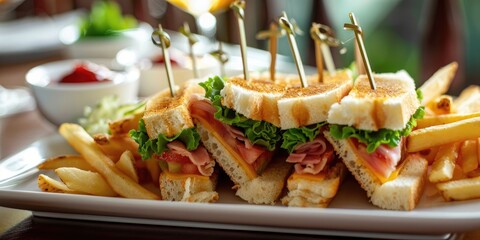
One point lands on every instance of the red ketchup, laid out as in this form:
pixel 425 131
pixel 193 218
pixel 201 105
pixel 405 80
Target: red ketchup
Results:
pixel 161 60
pixel 82 74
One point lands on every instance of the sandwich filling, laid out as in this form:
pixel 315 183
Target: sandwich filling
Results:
pixel 308 149
pixel 250 141
pixel 380 150
pixel 181 153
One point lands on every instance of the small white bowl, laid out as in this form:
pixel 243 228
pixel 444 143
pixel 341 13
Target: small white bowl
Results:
pixel 65 102
pixel 153 76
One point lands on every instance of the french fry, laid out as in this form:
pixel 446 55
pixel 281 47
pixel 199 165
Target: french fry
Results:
pixel 467 100
pixel 463 189
pixel 124 125
pixel 441 105
pixel 438 83
pixel 65 161
pixel 429 154
pixel 125 164
pixel 429 121
pixel 458 173
pixel 474 173
pixel 444 164
pixel 425 138
pixel 114 146
pixel 85 181
pixel 81 141
pixel 469 159
pixel 48 184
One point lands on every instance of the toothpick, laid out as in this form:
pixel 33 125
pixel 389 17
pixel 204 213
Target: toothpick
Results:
pixel 164 43
pixel 355 27
pixel 272 34
pixel 324 38
pixel 222 57
pixel 289 28
pixel 185 30
pixel 238 8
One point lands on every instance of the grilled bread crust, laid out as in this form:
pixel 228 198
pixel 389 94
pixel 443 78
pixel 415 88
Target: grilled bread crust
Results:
pixel 390 106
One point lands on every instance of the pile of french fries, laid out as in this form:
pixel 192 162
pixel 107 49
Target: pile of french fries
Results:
pixel 449 136
pixel 108 164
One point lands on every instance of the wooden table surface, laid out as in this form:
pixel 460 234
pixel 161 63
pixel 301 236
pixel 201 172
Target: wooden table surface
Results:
pixel 20 130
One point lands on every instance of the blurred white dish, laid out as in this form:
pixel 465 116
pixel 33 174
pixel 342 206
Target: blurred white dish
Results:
pixel 153 75
pixel 65 102
pixel 15 100
pixel 103 47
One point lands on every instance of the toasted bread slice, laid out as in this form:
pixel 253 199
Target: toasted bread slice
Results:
pixel 401 193
pixel 390 106
pixel 283 102
pixel 305 190
pixel 300 107
pixel 188 188
pixel 167 115
pixel 267 187
pixel 170 115
pixel 256 100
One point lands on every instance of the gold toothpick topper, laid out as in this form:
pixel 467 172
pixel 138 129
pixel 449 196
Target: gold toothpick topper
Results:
pixel 324 39
pixel 272 34
pixel 161 39
pixel 290 30
pixel 185 30
pixel 238 8
pixel 355 27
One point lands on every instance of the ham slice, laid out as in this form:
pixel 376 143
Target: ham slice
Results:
pixel 250 153
pixel 383 160
pixel 311 157
pixel 199 156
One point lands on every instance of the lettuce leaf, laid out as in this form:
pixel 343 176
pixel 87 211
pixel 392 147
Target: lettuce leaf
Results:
pixel 258 132
pixel 296 136
pixel 373 139
pixel 147 147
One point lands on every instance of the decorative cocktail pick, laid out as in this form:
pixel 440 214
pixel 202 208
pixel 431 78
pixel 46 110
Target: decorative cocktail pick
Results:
pixel 289 28
pixel 162 39
pixel 272 34
pixel 355 27
pixel 324 39
pixel 185 30
pixel 238 8
pixel 221 56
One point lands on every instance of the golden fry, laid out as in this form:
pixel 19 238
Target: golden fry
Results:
pixel 444 164
pixel 429 121
pixel 126 165
pixel 81 141
pixel 85 181
pixel 438 83
pixel 124 125
pixel 65 161
pixel 429 154
pixel 469 159
pixel 463 189
pixel 458 173
pixel 429 137
pixel 467 101
pixel 48 184
pixel 441 105
pixel 114 146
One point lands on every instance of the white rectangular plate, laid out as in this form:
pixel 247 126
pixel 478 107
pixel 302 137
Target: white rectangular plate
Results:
pixel 349 211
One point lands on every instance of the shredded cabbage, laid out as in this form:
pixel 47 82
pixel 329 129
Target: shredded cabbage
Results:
pixel 109 108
